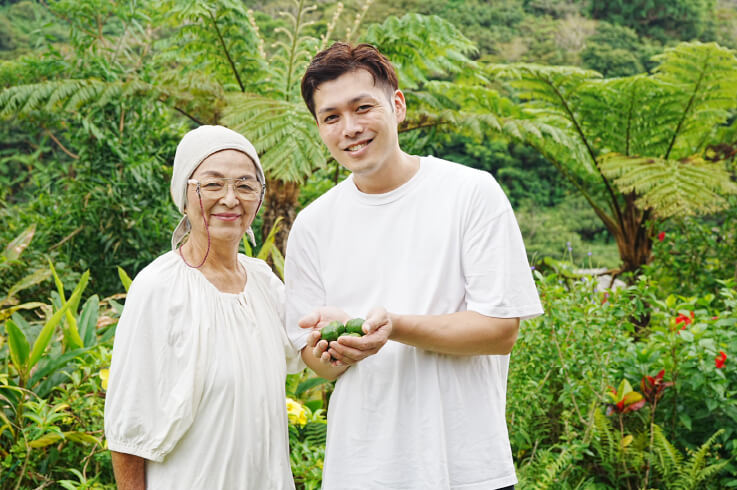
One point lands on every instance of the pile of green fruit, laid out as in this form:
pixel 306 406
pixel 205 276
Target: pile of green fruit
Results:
pixel 335 329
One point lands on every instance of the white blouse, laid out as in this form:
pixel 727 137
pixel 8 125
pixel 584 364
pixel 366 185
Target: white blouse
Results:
pixel 196 384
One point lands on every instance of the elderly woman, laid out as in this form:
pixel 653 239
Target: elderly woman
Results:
pixel 196 390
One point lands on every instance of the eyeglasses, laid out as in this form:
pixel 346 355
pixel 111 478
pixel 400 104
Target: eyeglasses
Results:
pixel 246 189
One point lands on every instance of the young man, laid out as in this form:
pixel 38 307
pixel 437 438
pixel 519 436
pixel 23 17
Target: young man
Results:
pixel 420 400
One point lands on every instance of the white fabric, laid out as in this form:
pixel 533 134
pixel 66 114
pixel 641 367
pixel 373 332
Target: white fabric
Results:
pixel 445 241
pixel 194 147
pixel 197 379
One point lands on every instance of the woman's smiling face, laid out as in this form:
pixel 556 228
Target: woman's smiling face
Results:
pixel 228 215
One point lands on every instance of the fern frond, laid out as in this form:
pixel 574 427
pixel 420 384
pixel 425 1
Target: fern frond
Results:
pixel 667 460
pixel 696 471
pixel 421 47
pixel 705 76
pixel 671 187
pixel 284 133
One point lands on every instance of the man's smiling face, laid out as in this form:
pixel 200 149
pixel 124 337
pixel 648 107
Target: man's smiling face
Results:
pixel 357 120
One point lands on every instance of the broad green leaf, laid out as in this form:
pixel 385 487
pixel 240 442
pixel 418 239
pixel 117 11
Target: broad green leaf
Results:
pixel 247 246
pixel 7 312
pixel 268 244
pixel 71 333
pixel 309 384
pixel 278 259
pixel 18 345
pixel 31 279
pixel 44 337
pixel 53 365
pixel 124 278
pixel 16 247
pixel 81 437
pixel 45 440
pixel 88 320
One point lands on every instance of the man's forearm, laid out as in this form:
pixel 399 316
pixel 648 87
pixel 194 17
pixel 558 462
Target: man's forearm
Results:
pixel 463 333
pixel 130 471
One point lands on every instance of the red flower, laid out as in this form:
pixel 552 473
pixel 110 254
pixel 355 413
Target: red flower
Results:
pixel 681 318
pixel 661 236
pixel 719 360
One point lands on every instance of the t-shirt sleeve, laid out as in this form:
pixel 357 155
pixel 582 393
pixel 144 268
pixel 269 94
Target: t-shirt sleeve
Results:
pixel 304 289
pixel 154 387
pixel 291 353
pixel 497 274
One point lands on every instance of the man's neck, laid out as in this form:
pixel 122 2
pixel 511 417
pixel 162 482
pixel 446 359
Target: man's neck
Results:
pixel 390 177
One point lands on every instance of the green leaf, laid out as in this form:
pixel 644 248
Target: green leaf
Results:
pixel 81 437
pixel 18 345
pixel 309 384
pixel 88 320
pixel 44 337
pixel 124 278
pixel 31 279
pixel 45 440
pixel 71 333
pixel 16 247
pixel 7 312
pixel 53 365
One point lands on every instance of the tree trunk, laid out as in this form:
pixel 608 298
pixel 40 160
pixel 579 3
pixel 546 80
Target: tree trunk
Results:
pixel 281 200
pixel 633 239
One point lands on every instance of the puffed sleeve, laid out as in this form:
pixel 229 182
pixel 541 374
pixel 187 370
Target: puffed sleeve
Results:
pixel 155 382
pixel 304 289
pixel 498 279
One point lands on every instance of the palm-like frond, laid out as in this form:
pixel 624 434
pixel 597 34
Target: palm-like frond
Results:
pixel 421 47
pixel 669 463
pixel 283 132
pixel 214 38
pixel 705 76
pixel 671 187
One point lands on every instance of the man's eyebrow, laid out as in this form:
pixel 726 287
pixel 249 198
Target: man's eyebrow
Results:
pixel 352 101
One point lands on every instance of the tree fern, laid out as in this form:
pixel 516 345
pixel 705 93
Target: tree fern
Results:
pixel 671 187
pixel 420 47
pixel 640 136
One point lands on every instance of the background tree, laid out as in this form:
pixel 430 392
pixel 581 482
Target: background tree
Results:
pixel 633 147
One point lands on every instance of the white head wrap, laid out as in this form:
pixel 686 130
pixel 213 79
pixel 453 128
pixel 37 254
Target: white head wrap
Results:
pixel 195 146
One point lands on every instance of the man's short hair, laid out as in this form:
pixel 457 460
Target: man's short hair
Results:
pixel 341 58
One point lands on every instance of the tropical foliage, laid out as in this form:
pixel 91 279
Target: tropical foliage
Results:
pixel 611 126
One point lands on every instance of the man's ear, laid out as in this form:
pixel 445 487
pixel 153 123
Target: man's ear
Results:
pixel 399 104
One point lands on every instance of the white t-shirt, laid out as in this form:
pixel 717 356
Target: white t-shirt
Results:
pixel 197 379
pixel 445 241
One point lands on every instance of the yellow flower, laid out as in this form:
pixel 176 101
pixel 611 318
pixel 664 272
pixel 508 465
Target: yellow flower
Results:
pixel 296 412
pixel 104 375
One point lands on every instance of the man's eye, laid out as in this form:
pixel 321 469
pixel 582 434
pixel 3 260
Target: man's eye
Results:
pixel 330 118
pixel 364 107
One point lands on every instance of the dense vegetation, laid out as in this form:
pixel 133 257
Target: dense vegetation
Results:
pixel 611 125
